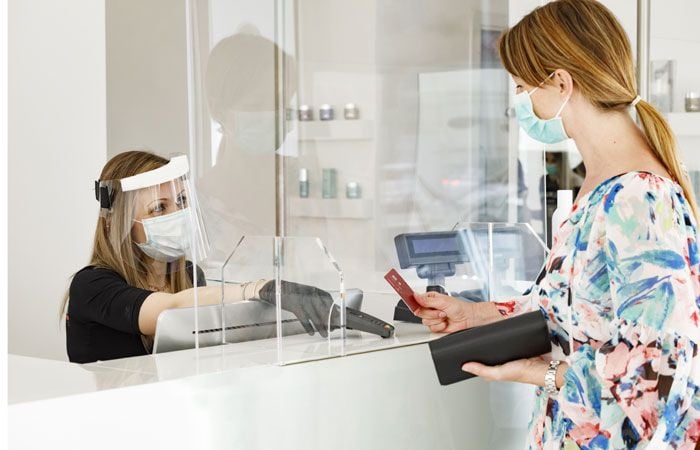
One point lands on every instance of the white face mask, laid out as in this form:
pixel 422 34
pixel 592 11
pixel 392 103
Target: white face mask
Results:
pixel 167 237
pixel 254 131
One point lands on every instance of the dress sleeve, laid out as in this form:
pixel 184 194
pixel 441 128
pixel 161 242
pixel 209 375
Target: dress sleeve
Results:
pixel 514 306
pixel 651 257
pixel 102 296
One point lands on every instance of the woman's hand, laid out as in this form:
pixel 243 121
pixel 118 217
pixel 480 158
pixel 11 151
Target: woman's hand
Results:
pixel 444 314
pixel 521 370
pixel 530 371
pixel 311 305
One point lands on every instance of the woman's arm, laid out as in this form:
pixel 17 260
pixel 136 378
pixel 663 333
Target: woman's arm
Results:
pixel 529 371
pixel 158 302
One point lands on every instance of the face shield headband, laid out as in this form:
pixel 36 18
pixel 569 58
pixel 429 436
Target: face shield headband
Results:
pixel 175 168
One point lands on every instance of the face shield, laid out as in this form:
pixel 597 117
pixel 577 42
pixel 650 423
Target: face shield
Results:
pixel 153 216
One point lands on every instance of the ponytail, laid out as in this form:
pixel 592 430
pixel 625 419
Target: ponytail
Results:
pixel 660 138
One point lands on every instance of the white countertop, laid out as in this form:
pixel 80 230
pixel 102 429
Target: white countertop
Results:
pixel 31 379
pixel 383 394
pixel 381 399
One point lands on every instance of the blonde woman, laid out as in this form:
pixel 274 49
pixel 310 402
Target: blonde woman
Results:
pixel 621 287
pixel 139 265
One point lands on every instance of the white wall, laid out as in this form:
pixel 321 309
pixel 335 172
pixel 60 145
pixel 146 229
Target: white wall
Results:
pixel 57 147
pixel 146 61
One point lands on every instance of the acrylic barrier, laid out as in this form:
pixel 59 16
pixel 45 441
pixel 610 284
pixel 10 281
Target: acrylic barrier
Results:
pixel 506 257
pixel 299 294
pixel 298 304
pixel 473 261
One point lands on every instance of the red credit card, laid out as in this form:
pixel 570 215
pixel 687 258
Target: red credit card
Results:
pixel 402 288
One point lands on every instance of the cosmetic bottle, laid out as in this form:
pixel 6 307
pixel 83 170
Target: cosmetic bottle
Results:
pixel 353 190
pixel 351 112
pixel 329 183
pixel 325 112
pixel 303 183
pixel 564 205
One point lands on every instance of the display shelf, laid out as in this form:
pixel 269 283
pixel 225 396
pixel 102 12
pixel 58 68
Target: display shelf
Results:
pixel 336 130
pixel 331 208
pixel 685 123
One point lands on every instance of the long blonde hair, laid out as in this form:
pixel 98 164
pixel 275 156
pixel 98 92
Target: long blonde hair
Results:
pixel 113 247
pixel 584 38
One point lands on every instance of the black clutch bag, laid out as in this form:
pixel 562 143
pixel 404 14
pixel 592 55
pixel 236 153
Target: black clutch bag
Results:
pixel 523 336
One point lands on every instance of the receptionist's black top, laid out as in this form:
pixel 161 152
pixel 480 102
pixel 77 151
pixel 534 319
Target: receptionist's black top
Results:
pixel 102 321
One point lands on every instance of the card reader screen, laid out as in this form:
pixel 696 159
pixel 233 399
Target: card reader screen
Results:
pixel 424 246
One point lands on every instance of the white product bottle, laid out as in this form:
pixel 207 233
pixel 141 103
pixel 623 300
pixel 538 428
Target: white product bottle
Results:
pixel 565 200
pixel 303 183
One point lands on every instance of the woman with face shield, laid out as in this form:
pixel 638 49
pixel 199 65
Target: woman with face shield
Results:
pixel 148 229
pixel 621 287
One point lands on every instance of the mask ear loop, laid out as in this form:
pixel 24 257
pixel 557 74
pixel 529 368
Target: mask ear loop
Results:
pixel 543 82
pixel 562 106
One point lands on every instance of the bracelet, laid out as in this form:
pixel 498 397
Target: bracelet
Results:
pixel 550 378
pixel 245 286
pixel 255 287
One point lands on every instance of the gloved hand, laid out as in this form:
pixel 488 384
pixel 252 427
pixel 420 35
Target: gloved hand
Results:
pixel 310 304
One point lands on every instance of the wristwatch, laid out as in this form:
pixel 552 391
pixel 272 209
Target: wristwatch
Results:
pixel 550 378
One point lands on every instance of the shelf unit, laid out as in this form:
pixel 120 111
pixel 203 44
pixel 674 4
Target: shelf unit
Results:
pixel 331 130
pixel 331 208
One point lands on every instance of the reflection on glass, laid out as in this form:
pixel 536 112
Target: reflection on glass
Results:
pixel 240 85
pixel 429 140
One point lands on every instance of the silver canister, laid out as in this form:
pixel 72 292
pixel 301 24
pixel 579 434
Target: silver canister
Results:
pixel 692 102
pixel 351 112
pixel 325 112
pixel 306 113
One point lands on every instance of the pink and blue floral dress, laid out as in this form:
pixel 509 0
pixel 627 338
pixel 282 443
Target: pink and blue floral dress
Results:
pixel 621 293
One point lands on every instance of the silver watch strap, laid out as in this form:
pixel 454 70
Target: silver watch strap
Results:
pixel 550 378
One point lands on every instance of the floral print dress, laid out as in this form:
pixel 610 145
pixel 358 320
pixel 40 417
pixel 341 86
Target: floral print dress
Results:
pixel 621 293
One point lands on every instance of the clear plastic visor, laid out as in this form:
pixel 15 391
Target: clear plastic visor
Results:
pixel 157 227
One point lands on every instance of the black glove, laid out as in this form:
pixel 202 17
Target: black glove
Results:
pixel 310 304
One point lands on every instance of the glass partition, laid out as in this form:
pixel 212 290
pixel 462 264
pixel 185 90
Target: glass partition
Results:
pixel 477 262
pixel 505 258
pixel 300 306
pixel 297 296
pixel 355 122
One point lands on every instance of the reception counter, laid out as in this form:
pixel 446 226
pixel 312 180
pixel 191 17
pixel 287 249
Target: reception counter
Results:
pixel 382 395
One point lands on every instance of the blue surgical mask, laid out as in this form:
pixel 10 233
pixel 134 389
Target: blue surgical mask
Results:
pixel 167 237
pixel 550 131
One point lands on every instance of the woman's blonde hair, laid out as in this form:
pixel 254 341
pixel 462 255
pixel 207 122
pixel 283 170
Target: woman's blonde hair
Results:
pixel 584 38
pixel 113 247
